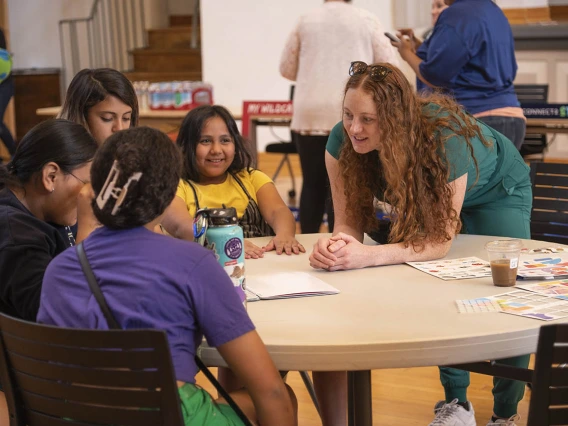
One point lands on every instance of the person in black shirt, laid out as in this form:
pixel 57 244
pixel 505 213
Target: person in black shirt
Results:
pixel 38 191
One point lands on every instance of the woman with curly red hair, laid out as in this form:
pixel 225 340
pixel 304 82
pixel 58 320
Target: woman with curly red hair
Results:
pixel 440 171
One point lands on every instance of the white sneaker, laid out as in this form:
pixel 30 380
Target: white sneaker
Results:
pixel 505 422
pixel 453 414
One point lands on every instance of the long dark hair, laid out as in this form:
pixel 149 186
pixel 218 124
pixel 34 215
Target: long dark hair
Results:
pixel 91 86
pixel 63 142
pixel 140 149
pixel 190 133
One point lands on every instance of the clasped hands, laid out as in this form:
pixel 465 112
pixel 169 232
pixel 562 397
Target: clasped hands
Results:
pixel 340 252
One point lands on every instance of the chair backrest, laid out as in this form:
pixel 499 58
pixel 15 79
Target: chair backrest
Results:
pixel 549 220
pixel 549 398
pixel 59 376
pixel 532 93
pixel 534 143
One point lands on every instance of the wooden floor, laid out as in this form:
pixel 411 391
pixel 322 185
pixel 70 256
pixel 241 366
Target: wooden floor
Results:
pixel 400 397
pixel 403 397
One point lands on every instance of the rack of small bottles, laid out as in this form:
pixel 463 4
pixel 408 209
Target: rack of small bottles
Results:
pixel 173 95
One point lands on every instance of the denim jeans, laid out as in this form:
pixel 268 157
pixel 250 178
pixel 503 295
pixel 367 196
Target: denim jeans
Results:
pixel 513 128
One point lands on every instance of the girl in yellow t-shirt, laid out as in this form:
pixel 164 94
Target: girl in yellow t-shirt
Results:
pixel 217 171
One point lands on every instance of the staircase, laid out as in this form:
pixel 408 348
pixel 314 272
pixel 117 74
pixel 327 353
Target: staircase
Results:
pixel 169 55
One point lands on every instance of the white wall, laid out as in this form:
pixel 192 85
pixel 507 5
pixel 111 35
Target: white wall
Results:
pixel 34 35
pixel 34 27
pixel 242 42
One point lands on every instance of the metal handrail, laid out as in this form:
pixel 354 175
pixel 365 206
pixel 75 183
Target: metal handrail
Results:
pixel 194 19
pixel 103 39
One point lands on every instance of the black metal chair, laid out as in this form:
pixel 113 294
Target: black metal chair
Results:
pixel 549 398
pixel 549 217
pixel 534 143
pixel 286 148
pixel 56 376
pixel 532 93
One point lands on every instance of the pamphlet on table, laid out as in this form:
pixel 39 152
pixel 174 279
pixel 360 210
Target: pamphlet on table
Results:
pixel 455 269
pixel 286 285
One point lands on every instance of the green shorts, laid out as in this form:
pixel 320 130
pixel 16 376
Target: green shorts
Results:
pixel 198 408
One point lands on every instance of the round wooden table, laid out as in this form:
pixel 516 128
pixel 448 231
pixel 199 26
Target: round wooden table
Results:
pixel 385 317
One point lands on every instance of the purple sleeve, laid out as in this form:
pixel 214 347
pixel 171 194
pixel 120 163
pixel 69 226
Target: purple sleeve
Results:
pixel 216 305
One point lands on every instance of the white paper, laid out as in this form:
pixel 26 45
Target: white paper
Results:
pixel 288 284
pixel 455 269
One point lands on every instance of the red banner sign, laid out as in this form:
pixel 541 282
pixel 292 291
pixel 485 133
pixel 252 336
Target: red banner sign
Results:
pixel 265 109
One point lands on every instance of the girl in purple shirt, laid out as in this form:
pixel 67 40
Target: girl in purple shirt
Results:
pixel 150 280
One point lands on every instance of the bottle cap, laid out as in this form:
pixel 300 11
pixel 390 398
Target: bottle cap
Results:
pixel 222 217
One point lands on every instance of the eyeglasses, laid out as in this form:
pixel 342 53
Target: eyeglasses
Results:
pixel 377 72
pixel 79 179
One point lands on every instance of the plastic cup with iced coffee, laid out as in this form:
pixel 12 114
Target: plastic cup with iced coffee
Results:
pixel 504 261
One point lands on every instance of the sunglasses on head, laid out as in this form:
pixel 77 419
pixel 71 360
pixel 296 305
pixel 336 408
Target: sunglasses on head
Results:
pixel 377 72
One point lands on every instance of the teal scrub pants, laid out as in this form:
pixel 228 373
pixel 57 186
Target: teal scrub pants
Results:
pixel 503 215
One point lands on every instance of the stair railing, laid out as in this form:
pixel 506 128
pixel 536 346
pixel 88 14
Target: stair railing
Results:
pixel 194 20
pixel 103 39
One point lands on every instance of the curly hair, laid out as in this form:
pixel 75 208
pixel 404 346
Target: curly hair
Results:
pixel 410 167
pixel 190 133
pixel 139 149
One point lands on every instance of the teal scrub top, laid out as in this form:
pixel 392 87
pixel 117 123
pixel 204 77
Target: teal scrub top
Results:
pixel 501 169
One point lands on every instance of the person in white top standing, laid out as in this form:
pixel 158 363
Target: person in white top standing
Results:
pixel 320 48
pixel 322 45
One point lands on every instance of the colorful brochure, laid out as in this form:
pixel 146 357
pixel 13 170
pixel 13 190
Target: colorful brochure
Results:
pixel 523 303
pixel 455 269
pixel 543 267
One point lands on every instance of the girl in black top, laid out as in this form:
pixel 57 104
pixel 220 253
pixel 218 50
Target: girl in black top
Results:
pixel 38 191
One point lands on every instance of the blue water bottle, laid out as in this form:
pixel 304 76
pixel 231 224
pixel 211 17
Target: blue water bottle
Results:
pixel 225 237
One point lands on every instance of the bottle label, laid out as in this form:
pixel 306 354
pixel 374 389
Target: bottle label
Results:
pixel 234 248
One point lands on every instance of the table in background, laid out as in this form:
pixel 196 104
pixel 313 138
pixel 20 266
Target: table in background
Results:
pixel 170 121
pixel 166 121
pixel 384 317
pixel 547 125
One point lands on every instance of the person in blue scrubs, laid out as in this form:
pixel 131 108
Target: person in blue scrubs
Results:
pixel 471 56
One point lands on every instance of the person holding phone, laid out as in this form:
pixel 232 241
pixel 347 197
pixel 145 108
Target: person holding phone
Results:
pixel 471 56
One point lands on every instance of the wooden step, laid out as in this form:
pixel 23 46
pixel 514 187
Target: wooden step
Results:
pixel 167 59
pixel 171 38
pixel 155 76
pixel 181 20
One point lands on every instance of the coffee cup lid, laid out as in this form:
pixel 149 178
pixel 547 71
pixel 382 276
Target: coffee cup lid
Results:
pixel 510 245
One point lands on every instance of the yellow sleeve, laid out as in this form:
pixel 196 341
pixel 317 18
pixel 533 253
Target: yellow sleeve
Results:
pixel 185 192
pixel 258 180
